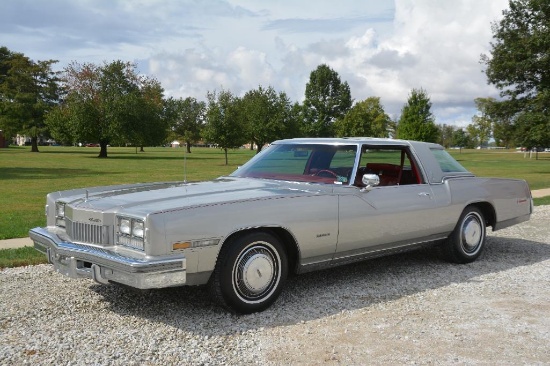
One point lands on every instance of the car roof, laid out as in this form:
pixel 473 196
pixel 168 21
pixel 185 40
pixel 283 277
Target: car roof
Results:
pixel 355 140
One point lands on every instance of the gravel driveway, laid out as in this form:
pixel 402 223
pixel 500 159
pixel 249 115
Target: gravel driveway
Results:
pixel 404 309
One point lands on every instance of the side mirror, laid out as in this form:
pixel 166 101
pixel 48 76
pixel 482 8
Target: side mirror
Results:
pixel 370 180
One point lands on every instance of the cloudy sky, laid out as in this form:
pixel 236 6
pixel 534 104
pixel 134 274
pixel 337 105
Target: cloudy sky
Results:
pixel 382 48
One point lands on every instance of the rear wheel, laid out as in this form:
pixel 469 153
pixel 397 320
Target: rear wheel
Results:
pixel 467 240
pixel 250 273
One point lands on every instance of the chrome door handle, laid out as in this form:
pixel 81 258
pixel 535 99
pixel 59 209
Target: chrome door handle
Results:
pixel 424 194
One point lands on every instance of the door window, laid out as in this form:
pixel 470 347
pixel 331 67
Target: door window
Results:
pixel 393 166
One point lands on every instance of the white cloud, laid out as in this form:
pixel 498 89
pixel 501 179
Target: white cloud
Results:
pixel 250 68
pixel 436 46
pixel 381 48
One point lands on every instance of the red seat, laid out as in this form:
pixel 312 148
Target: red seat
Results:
pixel 388 173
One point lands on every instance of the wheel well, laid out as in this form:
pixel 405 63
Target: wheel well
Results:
pixel 488 212
pixel 284 237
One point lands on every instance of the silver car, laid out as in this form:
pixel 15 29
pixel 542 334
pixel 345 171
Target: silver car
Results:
pixel 300 205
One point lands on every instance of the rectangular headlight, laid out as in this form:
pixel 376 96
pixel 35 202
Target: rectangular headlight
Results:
pixel 137 229
pixel 59 209
pixel 130 232
pixel 125 226
pixel 60 214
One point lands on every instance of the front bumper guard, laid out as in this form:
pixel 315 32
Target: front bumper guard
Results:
pixel 102 265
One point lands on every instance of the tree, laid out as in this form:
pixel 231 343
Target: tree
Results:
pixel 154 126
pixel 473 134
pixel 223 121
pixel 461 139
pixel 296 120
pixel 109 103
pixel 365 118
pixel 533 124
pixel 519 66
pixel 266 115
pixel 504 130
pixel 503 122
pixel 417 121
pixel 28 90
pixel 493 120
pixel 482 125
pixel 187 118
pixel 147 126
pixel 446 135
pixel 326 100
pixel 56 120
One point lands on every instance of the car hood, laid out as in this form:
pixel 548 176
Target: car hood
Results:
pixel 143 199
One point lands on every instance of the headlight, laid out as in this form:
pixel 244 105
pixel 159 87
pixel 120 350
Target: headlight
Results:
pixel 125 226
pixel 137 229
pixel 131 232
pixel 60 214
pixel 59 209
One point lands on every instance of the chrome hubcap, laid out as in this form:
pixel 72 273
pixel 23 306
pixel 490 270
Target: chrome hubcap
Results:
pixel 256 272
pixel 472 233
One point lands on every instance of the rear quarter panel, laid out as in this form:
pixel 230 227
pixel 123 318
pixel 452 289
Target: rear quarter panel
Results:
pixel 510 198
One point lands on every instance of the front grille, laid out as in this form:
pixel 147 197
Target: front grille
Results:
pixel 87 233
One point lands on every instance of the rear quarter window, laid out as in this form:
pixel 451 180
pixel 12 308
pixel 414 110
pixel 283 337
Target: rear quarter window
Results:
pixel 447 163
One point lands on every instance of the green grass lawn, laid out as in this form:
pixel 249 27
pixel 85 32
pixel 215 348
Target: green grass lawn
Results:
pixel 26 256
pixel 507 164
pixel 26 178
pixel 542 201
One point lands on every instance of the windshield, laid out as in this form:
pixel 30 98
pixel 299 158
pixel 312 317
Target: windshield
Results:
pixel 303 163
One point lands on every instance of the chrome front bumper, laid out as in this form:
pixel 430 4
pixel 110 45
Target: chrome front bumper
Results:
pixel 103 265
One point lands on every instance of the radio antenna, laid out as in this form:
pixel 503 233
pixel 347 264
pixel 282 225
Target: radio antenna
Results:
pixel 185 164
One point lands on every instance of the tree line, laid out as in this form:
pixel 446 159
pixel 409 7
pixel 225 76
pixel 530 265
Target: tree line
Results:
pixel 112 104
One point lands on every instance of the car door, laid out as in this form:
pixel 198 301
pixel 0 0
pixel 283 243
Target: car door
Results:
pixel 387 216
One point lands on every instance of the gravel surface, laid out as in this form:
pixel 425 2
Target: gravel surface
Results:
pixel 404 309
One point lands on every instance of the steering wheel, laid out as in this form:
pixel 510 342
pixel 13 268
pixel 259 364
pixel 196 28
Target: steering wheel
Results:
pixel 326 173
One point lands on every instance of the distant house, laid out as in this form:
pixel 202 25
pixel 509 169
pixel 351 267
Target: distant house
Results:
pixel 175 143
pixel 22 140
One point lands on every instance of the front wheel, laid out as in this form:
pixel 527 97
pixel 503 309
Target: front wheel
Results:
pixel 467 240
pixel 250 273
